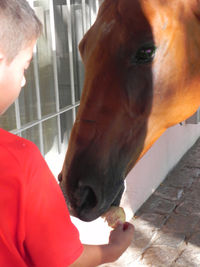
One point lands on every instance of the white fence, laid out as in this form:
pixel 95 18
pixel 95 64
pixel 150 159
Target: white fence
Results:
pixel 46 108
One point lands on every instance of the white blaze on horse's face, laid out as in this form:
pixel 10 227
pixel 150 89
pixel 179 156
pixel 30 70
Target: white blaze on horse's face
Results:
pixel 142 75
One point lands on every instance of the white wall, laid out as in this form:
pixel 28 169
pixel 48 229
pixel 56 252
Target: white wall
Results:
pixel 151 170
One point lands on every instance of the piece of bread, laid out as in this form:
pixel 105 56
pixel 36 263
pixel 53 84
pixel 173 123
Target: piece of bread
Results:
pixel 114 215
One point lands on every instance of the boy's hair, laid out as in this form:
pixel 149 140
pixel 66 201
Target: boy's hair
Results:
pixel 19 26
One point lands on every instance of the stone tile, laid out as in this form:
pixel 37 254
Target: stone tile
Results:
pixel 143 235
pixel 195 239
pixel 192 161
pixel 162 256
pixel 197 227
pixel 156 204
pixel 179 223
pixel 170 193
pixel 181 178
pixel 174 240
pixel 188 207
pixel 196 184
pixel 193 194
pixel 195 170
pixel 190 257
pixel 153 219
pixel 192 158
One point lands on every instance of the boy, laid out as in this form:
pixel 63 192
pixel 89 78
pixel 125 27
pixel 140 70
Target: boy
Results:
pixel 35 226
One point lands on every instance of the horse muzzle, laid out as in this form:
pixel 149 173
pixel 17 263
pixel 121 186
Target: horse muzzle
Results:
pixel 87 201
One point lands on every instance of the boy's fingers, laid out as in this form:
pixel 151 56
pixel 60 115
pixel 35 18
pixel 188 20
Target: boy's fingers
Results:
pixel 128 226
pixel 124 226
pixel 119 224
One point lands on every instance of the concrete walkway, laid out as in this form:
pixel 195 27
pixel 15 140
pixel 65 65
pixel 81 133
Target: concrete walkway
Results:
pixel 167 226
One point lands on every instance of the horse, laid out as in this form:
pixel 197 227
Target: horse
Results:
pixel 142 76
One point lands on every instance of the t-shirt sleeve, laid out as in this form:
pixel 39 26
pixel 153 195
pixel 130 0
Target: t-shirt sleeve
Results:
pixel 50 239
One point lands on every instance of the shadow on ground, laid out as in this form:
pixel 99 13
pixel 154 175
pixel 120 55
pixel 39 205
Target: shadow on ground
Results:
pixel 167 226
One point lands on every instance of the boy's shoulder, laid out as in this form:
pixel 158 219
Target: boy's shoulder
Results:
pixel 12 142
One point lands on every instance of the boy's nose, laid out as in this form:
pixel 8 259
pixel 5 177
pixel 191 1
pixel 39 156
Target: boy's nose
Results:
pixel 23 82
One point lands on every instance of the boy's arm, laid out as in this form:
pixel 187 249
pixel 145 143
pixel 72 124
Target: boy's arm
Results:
pixel 94 255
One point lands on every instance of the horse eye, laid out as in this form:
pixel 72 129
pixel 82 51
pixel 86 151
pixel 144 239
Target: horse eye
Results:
pixel 144 55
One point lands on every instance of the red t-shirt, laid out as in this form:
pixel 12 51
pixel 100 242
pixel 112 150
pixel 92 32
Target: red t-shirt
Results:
pixel 35 226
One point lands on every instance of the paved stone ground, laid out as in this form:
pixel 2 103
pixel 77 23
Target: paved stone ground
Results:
pixel 167 226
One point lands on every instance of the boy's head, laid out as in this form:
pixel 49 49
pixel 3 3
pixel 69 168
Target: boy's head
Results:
pixel 19 26
pixel 20 29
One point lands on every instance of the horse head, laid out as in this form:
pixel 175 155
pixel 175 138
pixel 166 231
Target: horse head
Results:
pixel 142 75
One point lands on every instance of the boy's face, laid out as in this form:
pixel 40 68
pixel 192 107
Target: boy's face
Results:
pixel 12 76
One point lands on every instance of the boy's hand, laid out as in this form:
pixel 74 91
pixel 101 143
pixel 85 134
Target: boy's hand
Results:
pixel 94 255
pixel 114 215
pixel 121 238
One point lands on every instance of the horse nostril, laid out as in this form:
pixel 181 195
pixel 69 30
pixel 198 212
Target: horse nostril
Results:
pixel 87 198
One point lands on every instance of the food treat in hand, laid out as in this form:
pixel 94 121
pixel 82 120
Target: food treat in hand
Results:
pixel 114 215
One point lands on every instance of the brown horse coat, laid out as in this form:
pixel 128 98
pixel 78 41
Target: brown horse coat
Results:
pixel 142 75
